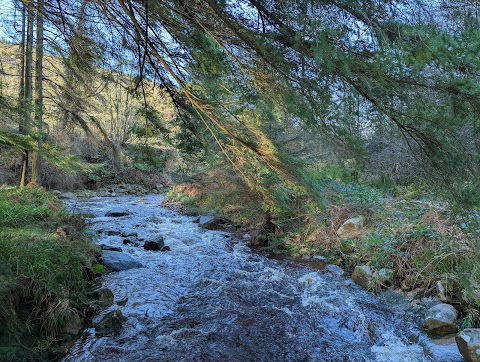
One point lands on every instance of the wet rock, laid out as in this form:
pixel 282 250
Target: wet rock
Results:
pixel 117 213
pixel 74 325
pixel 363 276
pixel 351 228
pixel 212 222
pixel 334 269
pixel 165 248
pixel 468 342
pixel 103 297
pixel 113 232
pixel 127 233
pixel 441 319
pixel 443 349
pixel 130 241
pixel 109 247
pixel 111 323
pixel 154 245
pixel 116 261
pixel 122 302
pixel 154 219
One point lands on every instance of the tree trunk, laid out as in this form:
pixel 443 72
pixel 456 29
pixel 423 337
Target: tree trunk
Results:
pixel 37 157
pixel 28 88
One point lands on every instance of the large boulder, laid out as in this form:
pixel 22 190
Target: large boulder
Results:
pixel 154 245
pixel 351 228
pixel 116 261
pixel 117 213
pixel 212 222
pixel 111 323
pixel 441 319
pixel 363 276
pixel 468 342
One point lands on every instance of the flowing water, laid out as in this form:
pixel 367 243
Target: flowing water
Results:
pixel 212 299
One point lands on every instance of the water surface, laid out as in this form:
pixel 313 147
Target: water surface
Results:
pixel 212 299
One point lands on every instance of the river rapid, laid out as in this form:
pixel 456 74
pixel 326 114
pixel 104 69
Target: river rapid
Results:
pixel 212 299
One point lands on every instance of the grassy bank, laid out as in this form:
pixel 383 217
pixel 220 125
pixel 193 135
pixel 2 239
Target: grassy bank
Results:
pixel 409 232
pixel 45 266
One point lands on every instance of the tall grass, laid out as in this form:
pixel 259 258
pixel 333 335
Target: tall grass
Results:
pixel 43 273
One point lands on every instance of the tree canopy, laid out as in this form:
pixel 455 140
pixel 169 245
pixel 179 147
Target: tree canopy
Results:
pixel 248 75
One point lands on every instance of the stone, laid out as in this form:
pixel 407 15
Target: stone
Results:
pixel 122 302
pixel 154 245
pixel 110 247
pixel 131 241
pixel 351 228
pixel 212 222
pixel 334 269
pixel 468 342
pixel 165 248
pixel 113 232
pixel 363 276
pixel 127 233
pixel 154 219
pixel 441 319
pixel 442 349
pixel 117 213
pixel 74 325
pixel 67 196
pixel 103 297
pixel 111 323
pixel 116 261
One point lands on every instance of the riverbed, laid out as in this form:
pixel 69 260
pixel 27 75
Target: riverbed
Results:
pixel 211 298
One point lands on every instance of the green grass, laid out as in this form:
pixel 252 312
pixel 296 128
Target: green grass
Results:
pixel 44 272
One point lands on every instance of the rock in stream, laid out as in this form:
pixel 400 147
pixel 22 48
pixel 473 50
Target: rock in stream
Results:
pixel 212 299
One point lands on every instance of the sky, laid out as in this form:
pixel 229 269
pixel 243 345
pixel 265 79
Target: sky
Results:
pixel 6 19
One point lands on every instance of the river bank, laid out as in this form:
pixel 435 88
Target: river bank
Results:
pixel 211 298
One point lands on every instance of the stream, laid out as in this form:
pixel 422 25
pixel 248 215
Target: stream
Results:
pixel 211 298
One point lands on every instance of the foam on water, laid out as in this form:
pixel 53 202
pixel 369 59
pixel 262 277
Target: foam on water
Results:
pixel 212 299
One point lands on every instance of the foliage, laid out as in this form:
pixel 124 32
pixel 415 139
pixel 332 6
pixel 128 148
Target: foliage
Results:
pixel 44 269
pixel 147 158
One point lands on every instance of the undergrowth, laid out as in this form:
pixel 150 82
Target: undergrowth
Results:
pixel 45 266
pixel 409 232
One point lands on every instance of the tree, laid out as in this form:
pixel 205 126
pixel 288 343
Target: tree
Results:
pixel 26 45
pixel 37 157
